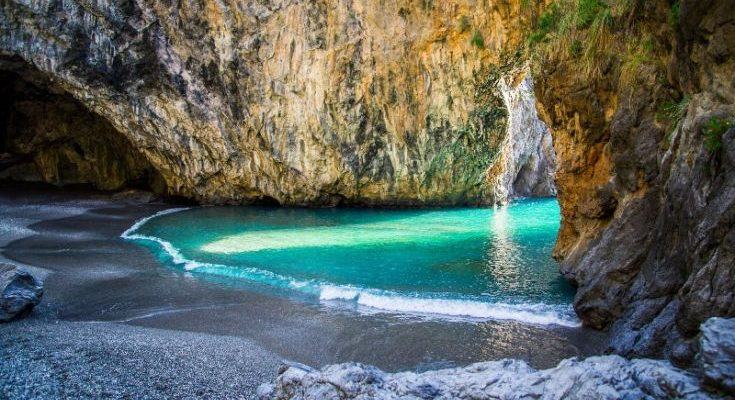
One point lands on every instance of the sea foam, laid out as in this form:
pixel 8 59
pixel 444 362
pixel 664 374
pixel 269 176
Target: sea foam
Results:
pixel 532 313
pixel 169 248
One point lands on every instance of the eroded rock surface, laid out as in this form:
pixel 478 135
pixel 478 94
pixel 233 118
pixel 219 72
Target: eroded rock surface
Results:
pixel 608 377
pixel 527 159
pixel 19 292
pixel 328 102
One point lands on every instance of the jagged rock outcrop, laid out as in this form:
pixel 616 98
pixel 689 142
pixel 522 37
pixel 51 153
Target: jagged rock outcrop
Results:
pixel 639 96
pixel 604 377
pixel 301 102
pixel 19 292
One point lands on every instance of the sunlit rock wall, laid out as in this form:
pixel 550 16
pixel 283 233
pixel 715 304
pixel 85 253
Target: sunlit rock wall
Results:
pixel 527 159
pixel 302 102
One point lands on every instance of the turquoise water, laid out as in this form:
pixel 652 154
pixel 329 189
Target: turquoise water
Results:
pixel 455 263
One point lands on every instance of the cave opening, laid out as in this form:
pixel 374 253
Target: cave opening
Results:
pixel 47 135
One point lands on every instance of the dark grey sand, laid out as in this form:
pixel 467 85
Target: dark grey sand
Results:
pixel 115 323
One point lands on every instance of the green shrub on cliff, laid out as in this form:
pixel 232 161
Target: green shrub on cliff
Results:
pixel 589 11
pixel 638 53
pixel 546 24
pixel 477 40
pixel 670 114
pixel 674 14
pixel 598 34
pixel 713 131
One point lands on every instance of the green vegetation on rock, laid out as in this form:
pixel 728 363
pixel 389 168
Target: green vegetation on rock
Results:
pixel 477 40
pixel 476 144
pixel 671 112
pixel 713 131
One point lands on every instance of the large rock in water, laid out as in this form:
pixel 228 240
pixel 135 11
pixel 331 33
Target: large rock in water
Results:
pixel 604 377
pixel 19 292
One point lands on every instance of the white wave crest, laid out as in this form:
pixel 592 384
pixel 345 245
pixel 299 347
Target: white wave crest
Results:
pixel 128 234
pixel 169 248
pixel 329 292
pixel 540 314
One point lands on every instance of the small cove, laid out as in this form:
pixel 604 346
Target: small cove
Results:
pixel 467 264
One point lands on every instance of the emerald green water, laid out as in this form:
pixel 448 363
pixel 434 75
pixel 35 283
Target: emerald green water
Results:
pixel 457 263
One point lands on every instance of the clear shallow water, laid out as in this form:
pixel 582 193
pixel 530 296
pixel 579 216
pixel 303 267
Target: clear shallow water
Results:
pixel 456 263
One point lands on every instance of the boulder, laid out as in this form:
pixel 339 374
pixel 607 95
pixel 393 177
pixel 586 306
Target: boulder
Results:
pixel 19 292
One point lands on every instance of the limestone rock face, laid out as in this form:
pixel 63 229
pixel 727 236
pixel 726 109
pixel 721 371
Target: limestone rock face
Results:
pixel 646 174
pixel 19 292
pixel 301 102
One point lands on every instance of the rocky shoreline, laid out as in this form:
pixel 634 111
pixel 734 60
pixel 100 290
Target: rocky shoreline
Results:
pixel 629 107
pixel 601 377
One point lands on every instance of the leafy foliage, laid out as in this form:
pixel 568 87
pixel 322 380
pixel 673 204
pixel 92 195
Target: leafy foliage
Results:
pixel 599 34
pixel 477 40
pixel 546 24
pixel 588 11
pixel 713 131
pixel 674 14
pixel 671 112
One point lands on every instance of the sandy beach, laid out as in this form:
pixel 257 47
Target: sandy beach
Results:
pixel 116 323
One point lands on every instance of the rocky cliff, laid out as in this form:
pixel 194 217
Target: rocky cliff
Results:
pixel 298 102
pixel 640 97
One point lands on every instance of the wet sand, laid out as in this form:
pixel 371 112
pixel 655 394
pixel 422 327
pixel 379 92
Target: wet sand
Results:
pixel 197 333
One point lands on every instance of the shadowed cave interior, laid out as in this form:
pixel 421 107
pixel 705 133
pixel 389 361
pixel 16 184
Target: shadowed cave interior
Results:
pixel 46 135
